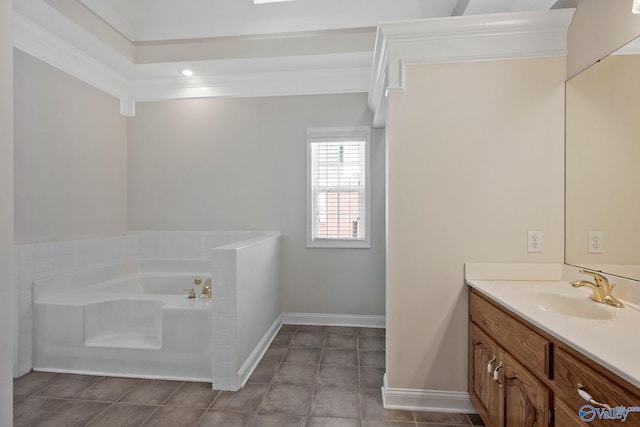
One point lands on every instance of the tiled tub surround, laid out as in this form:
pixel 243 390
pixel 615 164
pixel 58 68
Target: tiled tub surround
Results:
pixel 607 339
pixel 73 282
pixel 246 307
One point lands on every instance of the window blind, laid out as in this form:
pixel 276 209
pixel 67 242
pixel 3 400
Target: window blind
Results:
pixel 338 188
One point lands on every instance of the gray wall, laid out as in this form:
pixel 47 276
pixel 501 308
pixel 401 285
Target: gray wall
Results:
pixel 70 156
pixel 239 164
pixel 7 298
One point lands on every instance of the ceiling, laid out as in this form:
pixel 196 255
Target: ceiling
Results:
pixel 134 41
pixel 153 20
pixel 144 20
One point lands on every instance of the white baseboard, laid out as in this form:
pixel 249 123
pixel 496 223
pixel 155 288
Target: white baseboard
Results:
pixel 426 400
pixel 254 358
pixel 362 321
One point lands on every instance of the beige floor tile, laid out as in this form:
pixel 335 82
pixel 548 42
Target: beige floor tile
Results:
pixel 287 399
pixel 109 389
pixel 246 400
pixel 123 415
pixel 279 420
pixel 335 402
pixel 296 374
pixel 151 392
pixel 193 395
pixel 74 414
pixel 226 419
pixel 31 410
pixel 30 383
pixel 67 386
pixel 168 416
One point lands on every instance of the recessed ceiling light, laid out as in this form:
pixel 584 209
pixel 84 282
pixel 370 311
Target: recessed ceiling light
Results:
pixel 267 1
pixel 185 72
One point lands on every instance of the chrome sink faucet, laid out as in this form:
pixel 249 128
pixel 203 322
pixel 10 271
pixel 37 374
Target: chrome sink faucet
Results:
pixel 601 289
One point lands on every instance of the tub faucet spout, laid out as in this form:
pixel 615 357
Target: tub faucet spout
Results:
pixel 206 290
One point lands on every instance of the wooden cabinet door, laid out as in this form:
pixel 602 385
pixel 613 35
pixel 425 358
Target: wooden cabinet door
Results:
pixel 483 352
pixel 525 400
pixel 565 417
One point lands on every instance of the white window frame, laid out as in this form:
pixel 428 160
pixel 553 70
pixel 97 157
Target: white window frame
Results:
pixel 340 134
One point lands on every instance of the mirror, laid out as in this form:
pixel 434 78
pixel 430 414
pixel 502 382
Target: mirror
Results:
pixel 603 165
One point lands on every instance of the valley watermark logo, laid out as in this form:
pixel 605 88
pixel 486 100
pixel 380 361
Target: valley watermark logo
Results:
pixel 588 413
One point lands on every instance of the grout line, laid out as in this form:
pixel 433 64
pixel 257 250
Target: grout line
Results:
pixel 33 393
pixel 100 413
pixel 130 390
pixel 214 399
pixel 201 416
pixel 57 409
pixel 172 394
pixel 150 415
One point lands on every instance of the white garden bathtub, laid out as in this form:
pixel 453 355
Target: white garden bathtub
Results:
pixel 134 318
pixel 141 325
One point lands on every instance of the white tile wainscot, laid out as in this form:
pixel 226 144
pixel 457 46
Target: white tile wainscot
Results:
pixel 246 310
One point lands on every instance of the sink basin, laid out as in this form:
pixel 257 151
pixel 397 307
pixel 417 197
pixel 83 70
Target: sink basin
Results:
pixel 569 305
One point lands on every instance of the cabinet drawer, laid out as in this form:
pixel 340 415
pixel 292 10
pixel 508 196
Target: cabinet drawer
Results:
pixel 511 335
pixel 570 371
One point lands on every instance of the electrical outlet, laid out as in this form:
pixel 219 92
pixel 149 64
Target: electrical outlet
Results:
pixel 534 241
pixel 596 242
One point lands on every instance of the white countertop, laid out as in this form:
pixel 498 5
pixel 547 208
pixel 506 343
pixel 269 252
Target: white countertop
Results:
pixel 610 340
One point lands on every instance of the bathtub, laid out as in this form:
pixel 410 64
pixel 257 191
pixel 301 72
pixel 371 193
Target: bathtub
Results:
pixel 134 319
pixel 140 325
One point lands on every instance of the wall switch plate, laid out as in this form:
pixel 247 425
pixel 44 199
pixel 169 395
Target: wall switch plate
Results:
pixel 596 242
pixel 534 241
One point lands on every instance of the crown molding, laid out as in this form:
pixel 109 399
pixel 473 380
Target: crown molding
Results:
pixel 46 46
pixel 281 83
pixel 487 37
pixel 132 83
pixel 439 40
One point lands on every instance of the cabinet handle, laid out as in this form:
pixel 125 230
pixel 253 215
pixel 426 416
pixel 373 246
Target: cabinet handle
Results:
pixel 496 375
pixel 586 396
pixel 490 365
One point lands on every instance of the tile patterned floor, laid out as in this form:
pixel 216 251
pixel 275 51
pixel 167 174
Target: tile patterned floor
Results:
pixel 310 376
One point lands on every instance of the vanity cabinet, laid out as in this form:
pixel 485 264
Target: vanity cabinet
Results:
pixel 519 376
pixel 501 386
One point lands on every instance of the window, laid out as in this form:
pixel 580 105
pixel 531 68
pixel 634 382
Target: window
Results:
pixel 338 188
